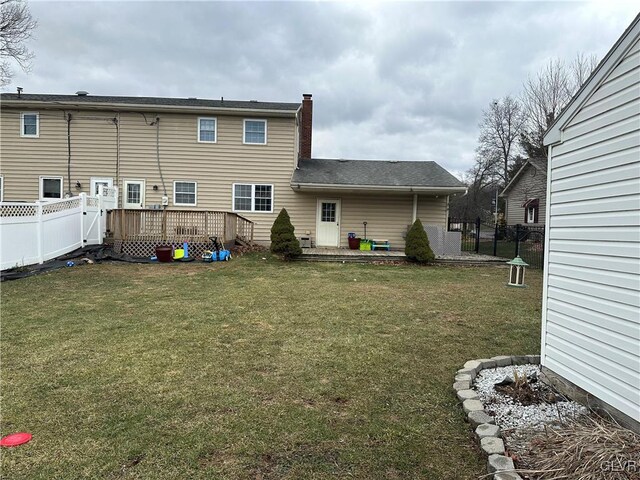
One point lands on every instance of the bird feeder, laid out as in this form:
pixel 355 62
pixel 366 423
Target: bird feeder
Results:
pixel 516 272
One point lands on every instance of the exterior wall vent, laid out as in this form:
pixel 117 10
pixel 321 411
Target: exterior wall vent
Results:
pixel 305 242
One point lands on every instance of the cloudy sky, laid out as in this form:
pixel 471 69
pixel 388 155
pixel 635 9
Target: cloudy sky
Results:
pixel 404 81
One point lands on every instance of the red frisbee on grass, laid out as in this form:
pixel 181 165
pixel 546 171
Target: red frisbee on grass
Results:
pixel 15 439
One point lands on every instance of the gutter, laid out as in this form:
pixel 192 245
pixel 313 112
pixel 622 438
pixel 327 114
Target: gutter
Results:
pixel 384 188
pixel 134 107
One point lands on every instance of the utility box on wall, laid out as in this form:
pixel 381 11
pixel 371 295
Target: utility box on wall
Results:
pixel 305 242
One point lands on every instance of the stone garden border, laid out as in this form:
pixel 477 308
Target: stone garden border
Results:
pixel 488 433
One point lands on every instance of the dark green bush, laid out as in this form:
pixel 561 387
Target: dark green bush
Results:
pixel 283 239
pixel 417 247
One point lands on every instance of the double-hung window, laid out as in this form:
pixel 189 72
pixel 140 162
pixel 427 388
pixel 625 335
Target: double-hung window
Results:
pixel 531 209
pixel 184 193
pixel 50 188
pixel 249 197
pixel 1 188
pixel 255 132
pixel 30 124
pixel 207 129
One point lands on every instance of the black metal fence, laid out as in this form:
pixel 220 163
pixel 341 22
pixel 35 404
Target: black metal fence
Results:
pixel 506 241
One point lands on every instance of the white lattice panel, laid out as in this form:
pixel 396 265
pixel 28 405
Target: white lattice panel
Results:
pixel 109 192
pixel 93 202
pixel 61 206
pixel 18 210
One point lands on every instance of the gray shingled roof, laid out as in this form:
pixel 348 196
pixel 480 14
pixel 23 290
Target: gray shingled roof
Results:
pixel 151 101
pixel 382 173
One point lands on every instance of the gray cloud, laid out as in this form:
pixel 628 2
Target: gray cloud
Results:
pixel 390 80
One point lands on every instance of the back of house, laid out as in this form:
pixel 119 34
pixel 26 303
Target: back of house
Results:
pixel 591 298
pixel 248 158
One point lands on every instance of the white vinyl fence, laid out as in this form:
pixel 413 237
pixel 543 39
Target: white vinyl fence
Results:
pixel 33 233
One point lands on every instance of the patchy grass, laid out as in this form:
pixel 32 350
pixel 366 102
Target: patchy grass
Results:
pixel 251 368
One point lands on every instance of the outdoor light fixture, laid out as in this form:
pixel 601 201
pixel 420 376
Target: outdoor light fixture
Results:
pixel 516 272
pixel 155 188
pixel 78 185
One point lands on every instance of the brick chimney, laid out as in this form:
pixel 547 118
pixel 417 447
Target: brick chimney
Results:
pixel 306 121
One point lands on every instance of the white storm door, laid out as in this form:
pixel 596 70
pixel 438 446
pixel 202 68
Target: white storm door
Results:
pixel 328 223
pixel 133 194
pixel 97 182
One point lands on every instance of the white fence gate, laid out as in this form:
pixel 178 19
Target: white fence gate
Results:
pixel 33 233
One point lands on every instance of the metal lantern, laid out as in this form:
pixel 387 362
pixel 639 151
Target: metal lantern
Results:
pixel 516 272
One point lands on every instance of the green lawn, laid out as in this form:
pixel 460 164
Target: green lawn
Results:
pixel 251 369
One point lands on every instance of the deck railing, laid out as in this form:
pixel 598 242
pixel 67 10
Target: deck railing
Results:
pixel 174 226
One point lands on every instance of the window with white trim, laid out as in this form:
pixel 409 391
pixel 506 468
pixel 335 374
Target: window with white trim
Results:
pixel 1 188
pixel 531 210
pixel 255 132
pixel 207 129
pixel 30 124
pixel 249 197
pixel 50 188
pixel 185 193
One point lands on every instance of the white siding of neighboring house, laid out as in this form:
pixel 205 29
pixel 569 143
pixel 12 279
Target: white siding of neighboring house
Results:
pixel 591 302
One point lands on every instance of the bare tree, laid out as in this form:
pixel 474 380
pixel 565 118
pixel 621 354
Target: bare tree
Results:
pixel 581 68
pixel 501 126
pixel 547 93
pixel 16 25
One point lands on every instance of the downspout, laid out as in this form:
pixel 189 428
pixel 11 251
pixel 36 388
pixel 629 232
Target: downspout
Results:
pixel 157 122
pixel 116 122
pixel 415 208
pixel 69 155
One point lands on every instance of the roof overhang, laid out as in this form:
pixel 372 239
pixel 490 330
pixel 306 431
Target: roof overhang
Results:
pixel 325 187
pixel 132 107
pixel 553 135
pixel 514 179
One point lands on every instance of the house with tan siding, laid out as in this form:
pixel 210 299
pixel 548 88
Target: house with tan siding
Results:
pixel 247 157
pixel 525 195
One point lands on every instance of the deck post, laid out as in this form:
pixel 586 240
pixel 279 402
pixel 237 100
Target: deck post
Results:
pixel 164 225
pixel 122 232
pixel 224 228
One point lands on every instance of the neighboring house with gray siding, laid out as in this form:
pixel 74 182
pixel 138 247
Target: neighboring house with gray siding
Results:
pixel 525 195
pixel 591 289
pixel 251 158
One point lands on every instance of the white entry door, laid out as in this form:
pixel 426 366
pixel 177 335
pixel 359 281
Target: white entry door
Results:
pixel 96 182
pixel 328 223
pixel 133 194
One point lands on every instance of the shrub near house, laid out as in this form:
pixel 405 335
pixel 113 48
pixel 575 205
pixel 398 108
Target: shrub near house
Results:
pixel 417 248
pixel 283 238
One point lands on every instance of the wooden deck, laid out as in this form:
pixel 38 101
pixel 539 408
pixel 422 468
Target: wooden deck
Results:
pixel 170 226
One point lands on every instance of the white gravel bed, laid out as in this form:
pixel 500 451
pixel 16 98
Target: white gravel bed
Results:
pixel 511 414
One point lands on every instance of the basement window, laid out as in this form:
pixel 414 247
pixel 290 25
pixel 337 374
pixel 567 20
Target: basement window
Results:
pixel 184 193
pixel 252 198
pixel 30 124
pixel 50 188
pixel 255 132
